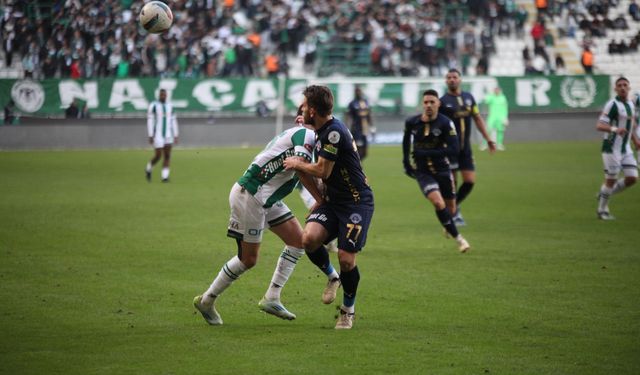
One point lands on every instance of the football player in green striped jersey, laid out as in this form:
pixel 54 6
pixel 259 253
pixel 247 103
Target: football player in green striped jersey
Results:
pixel 617 123
pixel 162 128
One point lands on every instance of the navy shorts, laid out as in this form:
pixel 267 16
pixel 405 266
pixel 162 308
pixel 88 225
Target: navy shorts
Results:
pixel 442 181
pixel 464 161
pixel 347 222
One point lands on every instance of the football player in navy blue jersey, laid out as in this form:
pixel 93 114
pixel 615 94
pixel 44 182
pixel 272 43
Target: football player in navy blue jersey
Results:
pixel 347 208
pixel 359 113
pixel 434 140
pixel 460 106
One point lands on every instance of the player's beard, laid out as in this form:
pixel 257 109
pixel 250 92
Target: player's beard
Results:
pixel 307 118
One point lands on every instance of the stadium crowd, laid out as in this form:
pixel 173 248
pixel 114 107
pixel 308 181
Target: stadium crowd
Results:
pixel 100 38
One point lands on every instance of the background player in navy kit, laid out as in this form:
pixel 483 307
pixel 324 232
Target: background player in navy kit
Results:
pixel 460 106
pixel 434 141
pixel 348 206
pixel 359 112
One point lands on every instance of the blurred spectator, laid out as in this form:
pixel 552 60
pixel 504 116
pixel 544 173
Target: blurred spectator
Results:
pixel 587 60
pixel 8 44
pixel 84 113
pixel 542 7
pixel 561 68
pixel 72 111
pixel 271 64
pixel 9 112
pixel 75 69
pixel 521 19
pixel 620 23
pixel 634 10
pixel 262 110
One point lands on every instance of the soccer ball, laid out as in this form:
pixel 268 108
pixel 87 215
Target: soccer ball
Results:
pixel 156 17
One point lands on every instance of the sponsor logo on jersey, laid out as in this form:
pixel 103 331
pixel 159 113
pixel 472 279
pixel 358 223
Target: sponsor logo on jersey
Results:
pixel 578 92
pixel 319 217
pixel 334 137
pixel 330 149
pixel 28 95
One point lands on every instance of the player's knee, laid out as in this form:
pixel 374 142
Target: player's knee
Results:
pixel 249 260
pixel 310 241
pixel 347 261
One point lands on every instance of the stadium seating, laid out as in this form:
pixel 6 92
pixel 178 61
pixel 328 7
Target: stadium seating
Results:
pixel 232 38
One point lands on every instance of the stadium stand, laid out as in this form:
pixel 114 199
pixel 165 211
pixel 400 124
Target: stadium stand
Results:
pixel 101 38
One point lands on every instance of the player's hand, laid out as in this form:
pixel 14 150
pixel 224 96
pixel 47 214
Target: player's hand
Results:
pixel 292 162
pixel 492 146
pixel 506 122
pixel 175 140
pixel 408 169
pixel 621 132
pixel 150 140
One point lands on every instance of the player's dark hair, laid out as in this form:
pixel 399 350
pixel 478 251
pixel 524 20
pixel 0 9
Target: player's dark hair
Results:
pixel 454 70
pixel 319 98
pixel 431 92
pixel 622 78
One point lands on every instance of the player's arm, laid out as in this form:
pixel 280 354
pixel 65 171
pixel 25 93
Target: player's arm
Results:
pixel 309 182
pixel 604 122
pixel 406 150
pixel 174 123
pixel 634 134
pixel 321 169
pixel 151 121
pixel 482 128
pixel 605 127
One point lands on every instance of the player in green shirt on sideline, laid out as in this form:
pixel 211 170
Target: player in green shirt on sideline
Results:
pixel 497 118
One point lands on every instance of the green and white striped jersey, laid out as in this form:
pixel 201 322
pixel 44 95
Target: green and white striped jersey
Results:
pixel 617 113
pixel 636 105
pixel 161 120
pixel 266 179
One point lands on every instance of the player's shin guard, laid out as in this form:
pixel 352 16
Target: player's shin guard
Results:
pixel 445 219
pixel 350 280
pixel 463 191
pixel 284 268
pixel 320 257
pixel 229 273
pixel 603 199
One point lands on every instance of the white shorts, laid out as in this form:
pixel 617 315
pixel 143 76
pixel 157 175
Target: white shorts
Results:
pixel 248 218
pixel 160 142
pixel 615 163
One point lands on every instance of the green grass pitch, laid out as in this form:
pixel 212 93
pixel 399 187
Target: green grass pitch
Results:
pixel 98 269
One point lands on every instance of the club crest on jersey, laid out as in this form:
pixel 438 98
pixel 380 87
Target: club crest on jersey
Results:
pixel 308 147
pixel 355 218
pixel 437 132
pixel 334 137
